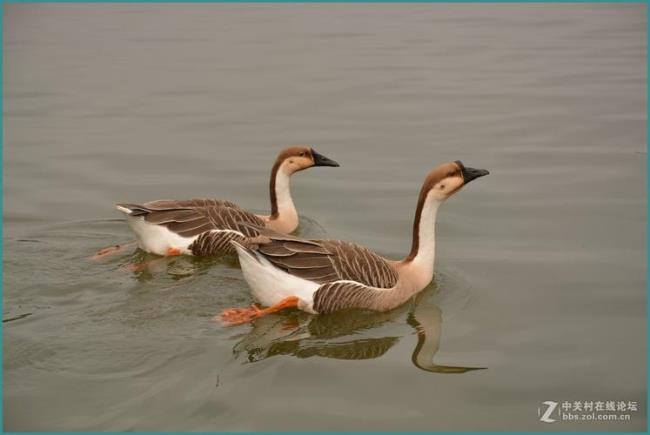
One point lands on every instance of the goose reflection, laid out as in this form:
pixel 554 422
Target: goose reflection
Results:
pixel 348 335
pixel 426 319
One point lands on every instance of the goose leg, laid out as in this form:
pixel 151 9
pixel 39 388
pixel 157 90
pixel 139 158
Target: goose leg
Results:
pixel 139 267
pixel 237 316
pixel 106 252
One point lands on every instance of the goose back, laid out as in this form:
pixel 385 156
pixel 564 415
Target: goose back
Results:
pixel 213 223
pixel 325 261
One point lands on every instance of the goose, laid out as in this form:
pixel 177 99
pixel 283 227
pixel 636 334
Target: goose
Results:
pixel 323 276
pixel 204 227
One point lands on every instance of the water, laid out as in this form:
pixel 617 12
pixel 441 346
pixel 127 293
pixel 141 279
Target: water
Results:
pixel 541 265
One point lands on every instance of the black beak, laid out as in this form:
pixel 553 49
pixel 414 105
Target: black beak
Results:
pixel 321 160
pixel 470 174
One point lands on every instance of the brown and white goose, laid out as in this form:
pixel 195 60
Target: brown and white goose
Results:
pixel 322 276
pixel 206 226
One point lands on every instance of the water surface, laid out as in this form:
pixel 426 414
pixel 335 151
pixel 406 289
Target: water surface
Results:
pixel 541 266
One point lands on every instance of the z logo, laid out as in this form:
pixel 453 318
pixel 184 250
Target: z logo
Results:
pixel 546 417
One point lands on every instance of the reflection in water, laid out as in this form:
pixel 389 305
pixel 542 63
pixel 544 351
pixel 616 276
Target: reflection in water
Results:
pixel 149 265
pixel 427 321
pixel 348 334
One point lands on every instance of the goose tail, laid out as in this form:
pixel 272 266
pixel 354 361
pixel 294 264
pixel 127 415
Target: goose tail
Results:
pixel 132 209
pixel 243 251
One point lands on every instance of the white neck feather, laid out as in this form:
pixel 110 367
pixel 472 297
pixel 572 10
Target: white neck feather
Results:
pixel 427 232
pixel 420 269
pixel 287 220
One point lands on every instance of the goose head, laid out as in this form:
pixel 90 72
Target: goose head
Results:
pixel 440 184
pixel 298 158
pixel 449 178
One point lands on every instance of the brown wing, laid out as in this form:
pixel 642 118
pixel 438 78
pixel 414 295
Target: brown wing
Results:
pixel 192 217
pixel 325 261
pixel 168 204
pixel 335 296
pixel 216 243
pixel 359 264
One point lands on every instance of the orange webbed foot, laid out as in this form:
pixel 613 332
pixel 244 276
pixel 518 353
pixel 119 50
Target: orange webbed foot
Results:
pixel 111 250
pixel 238 316
pixel 172 252
pixel 139 267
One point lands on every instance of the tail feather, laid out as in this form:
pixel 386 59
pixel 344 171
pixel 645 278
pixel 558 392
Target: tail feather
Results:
pixel 244 250
pixel 133 209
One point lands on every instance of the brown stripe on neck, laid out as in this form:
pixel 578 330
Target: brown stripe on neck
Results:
pixel 274 197
pixel 415 244
pixel 432 178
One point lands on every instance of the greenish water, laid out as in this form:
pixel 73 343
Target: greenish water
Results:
pixel 541 266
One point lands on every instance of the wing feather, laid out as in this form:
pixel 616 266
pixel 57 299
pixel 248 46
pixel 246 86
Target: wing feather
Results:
pixel 192 217
pixel 304 248
pixel 335 296
pixel 275 250
pixel 306 261
pixel 216 242
pixel 325 261
pixel 162 217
